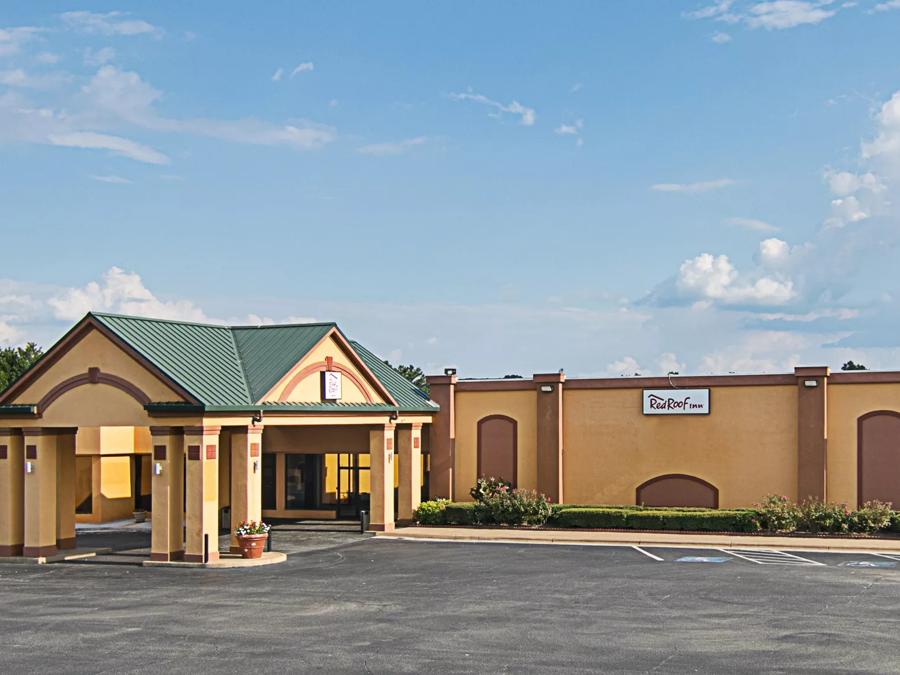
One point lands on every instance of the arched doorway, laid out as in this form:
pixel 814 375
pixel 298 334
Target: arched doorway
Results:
pixel 497 447
pixel 878 457
pixel 676 489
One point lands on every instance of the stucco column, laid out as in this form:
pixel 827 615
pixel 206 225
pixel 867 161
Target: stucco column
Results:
pixel 812 431
pixel 442 436
pixel 167 485
pixel 550 434
pixel 246 478
pixel 40 492
pixel 202 540
pixel 381 462
pixel 409 454
pixel 12 486
pixel 65 489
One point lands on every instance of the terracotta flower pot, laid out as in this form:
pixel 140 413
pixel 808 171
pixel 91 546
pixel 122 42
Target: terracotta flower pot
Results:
pixel 252 545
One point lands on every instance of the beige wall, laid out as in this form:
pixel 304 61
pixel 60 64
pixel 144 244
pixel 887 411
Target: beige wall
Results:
pixel 846 404
pixel 746 446
pixel 471 406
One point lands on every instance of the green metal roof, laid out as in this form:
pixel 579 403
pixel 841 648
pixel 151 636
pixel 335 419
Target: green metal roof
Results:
pixel 269 352
pixel 408 396
pixel 229 368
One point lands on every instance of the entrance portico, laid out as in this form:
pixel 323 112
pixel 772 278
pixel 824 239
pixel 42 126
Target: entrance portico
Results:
pixel 222 407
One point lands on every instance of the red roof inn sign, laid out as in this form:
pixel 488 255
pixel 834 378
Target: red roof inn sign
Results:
pixel 676 401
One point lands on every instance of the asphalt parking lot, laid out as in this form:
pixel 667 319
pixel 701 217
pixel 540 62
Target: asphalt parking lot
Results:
pixel 374 605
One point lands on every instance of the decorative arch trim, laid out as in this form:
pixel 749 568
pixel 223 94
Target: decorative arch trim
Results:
pixel 318 368
pixel 682 476
pixel 860 439
pixel 92 376
pixel 515 445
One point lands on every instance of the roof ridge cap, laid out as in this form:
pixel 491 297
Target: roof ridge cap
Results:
pixel 150 318
pixel 240 362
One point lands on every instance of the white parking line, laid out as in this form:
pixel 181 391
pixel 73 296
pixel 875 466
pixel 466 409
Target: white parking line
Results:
pixel 647 553
pixel 770 557
pixel 888 556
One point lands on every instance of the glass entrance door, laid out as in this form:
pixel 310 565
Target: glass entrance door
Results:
pixel 353 484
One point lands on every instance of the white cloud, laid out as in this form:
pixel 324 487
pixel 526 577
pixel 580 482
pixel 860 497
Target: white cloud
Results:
pixel 126 96
pixel 109 23
pixel 781 14
pixel 98 57
pixel 575 88
pixel 669 363
pixel 626 366
pixel 844 183
pixel 17 77
pixel 885 147
pixel 395 148
pixel 886 6
pixel 120 292
pixel 752 224
pixel 12 39
pixel 47 58
pixel 526 115
pixel 720 38
pixel 713 278
pixel 694 188
pixel 770 14
pixel 116 180
pixel 306 67
pixel 115 144
pixel 573 129
pixel 277 75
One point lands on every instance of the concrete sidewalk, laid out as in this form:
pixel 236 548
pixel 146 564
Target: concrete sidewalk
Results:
pixel 679 540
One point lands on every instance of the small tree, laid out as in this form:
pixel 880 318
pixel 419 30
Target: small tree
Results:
pixel 412 373
pixel 853 366
pixel 16 360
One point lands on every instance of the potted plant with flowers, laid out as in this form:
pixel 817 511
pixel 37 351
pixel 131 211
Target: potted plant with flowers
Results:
pixel 252 538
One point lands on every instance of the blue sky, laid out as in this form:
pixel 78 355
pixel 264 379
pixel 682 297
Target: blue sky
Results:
pixel 609 188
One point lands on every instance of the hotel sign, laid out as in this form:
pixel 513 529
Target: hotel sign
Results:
pixel 331 385
pixel 676 401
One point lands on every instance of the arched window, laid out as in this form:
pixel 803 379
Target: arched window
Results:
pixel 677 489
pixel 878 457
pixel 497 447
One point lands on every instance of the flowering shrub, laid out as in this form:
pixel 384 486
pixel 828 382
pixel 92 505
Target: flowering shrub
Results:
pixel 251 527
pixel 776 514
pixel 497 503
pixel 872 517
pixel 780 514
pixel 817 516
pixel 431 512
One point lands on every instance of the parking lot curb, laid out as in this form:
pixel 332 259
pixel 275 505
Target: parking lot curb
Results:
pixel 680 540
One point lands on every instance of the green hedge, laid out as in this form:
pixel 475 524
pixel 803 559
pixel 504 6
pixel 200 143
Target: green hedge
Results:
pixel 459 513
pixel 688 519
pixel 694 520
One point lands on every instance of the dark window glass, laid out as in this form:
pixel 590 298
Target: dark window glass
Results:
pixel 268 482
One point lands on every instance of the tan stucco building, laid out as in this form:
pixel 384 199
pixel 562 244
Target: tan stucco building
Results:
pixel 192 421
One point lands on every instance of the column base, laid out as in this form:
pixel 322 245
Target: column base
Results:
pixel 65 544
pixel 381 527
pixel 11 550
pixel 39 551
pixel 198 557
pixel 167 557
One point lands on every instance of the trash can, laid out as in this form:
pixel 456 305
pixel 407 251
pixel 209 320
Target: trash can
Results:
pixel 225 519
pixel 363 521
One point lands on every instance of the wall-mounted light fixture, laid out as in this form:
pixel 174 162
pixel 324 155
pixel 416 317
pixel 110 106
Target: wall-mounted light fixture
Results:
pixel 394 416
pixel 255 466
pixel 157 468
pixel 449 371
pixel 29 467
pixel 810 383
pixel 547 388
